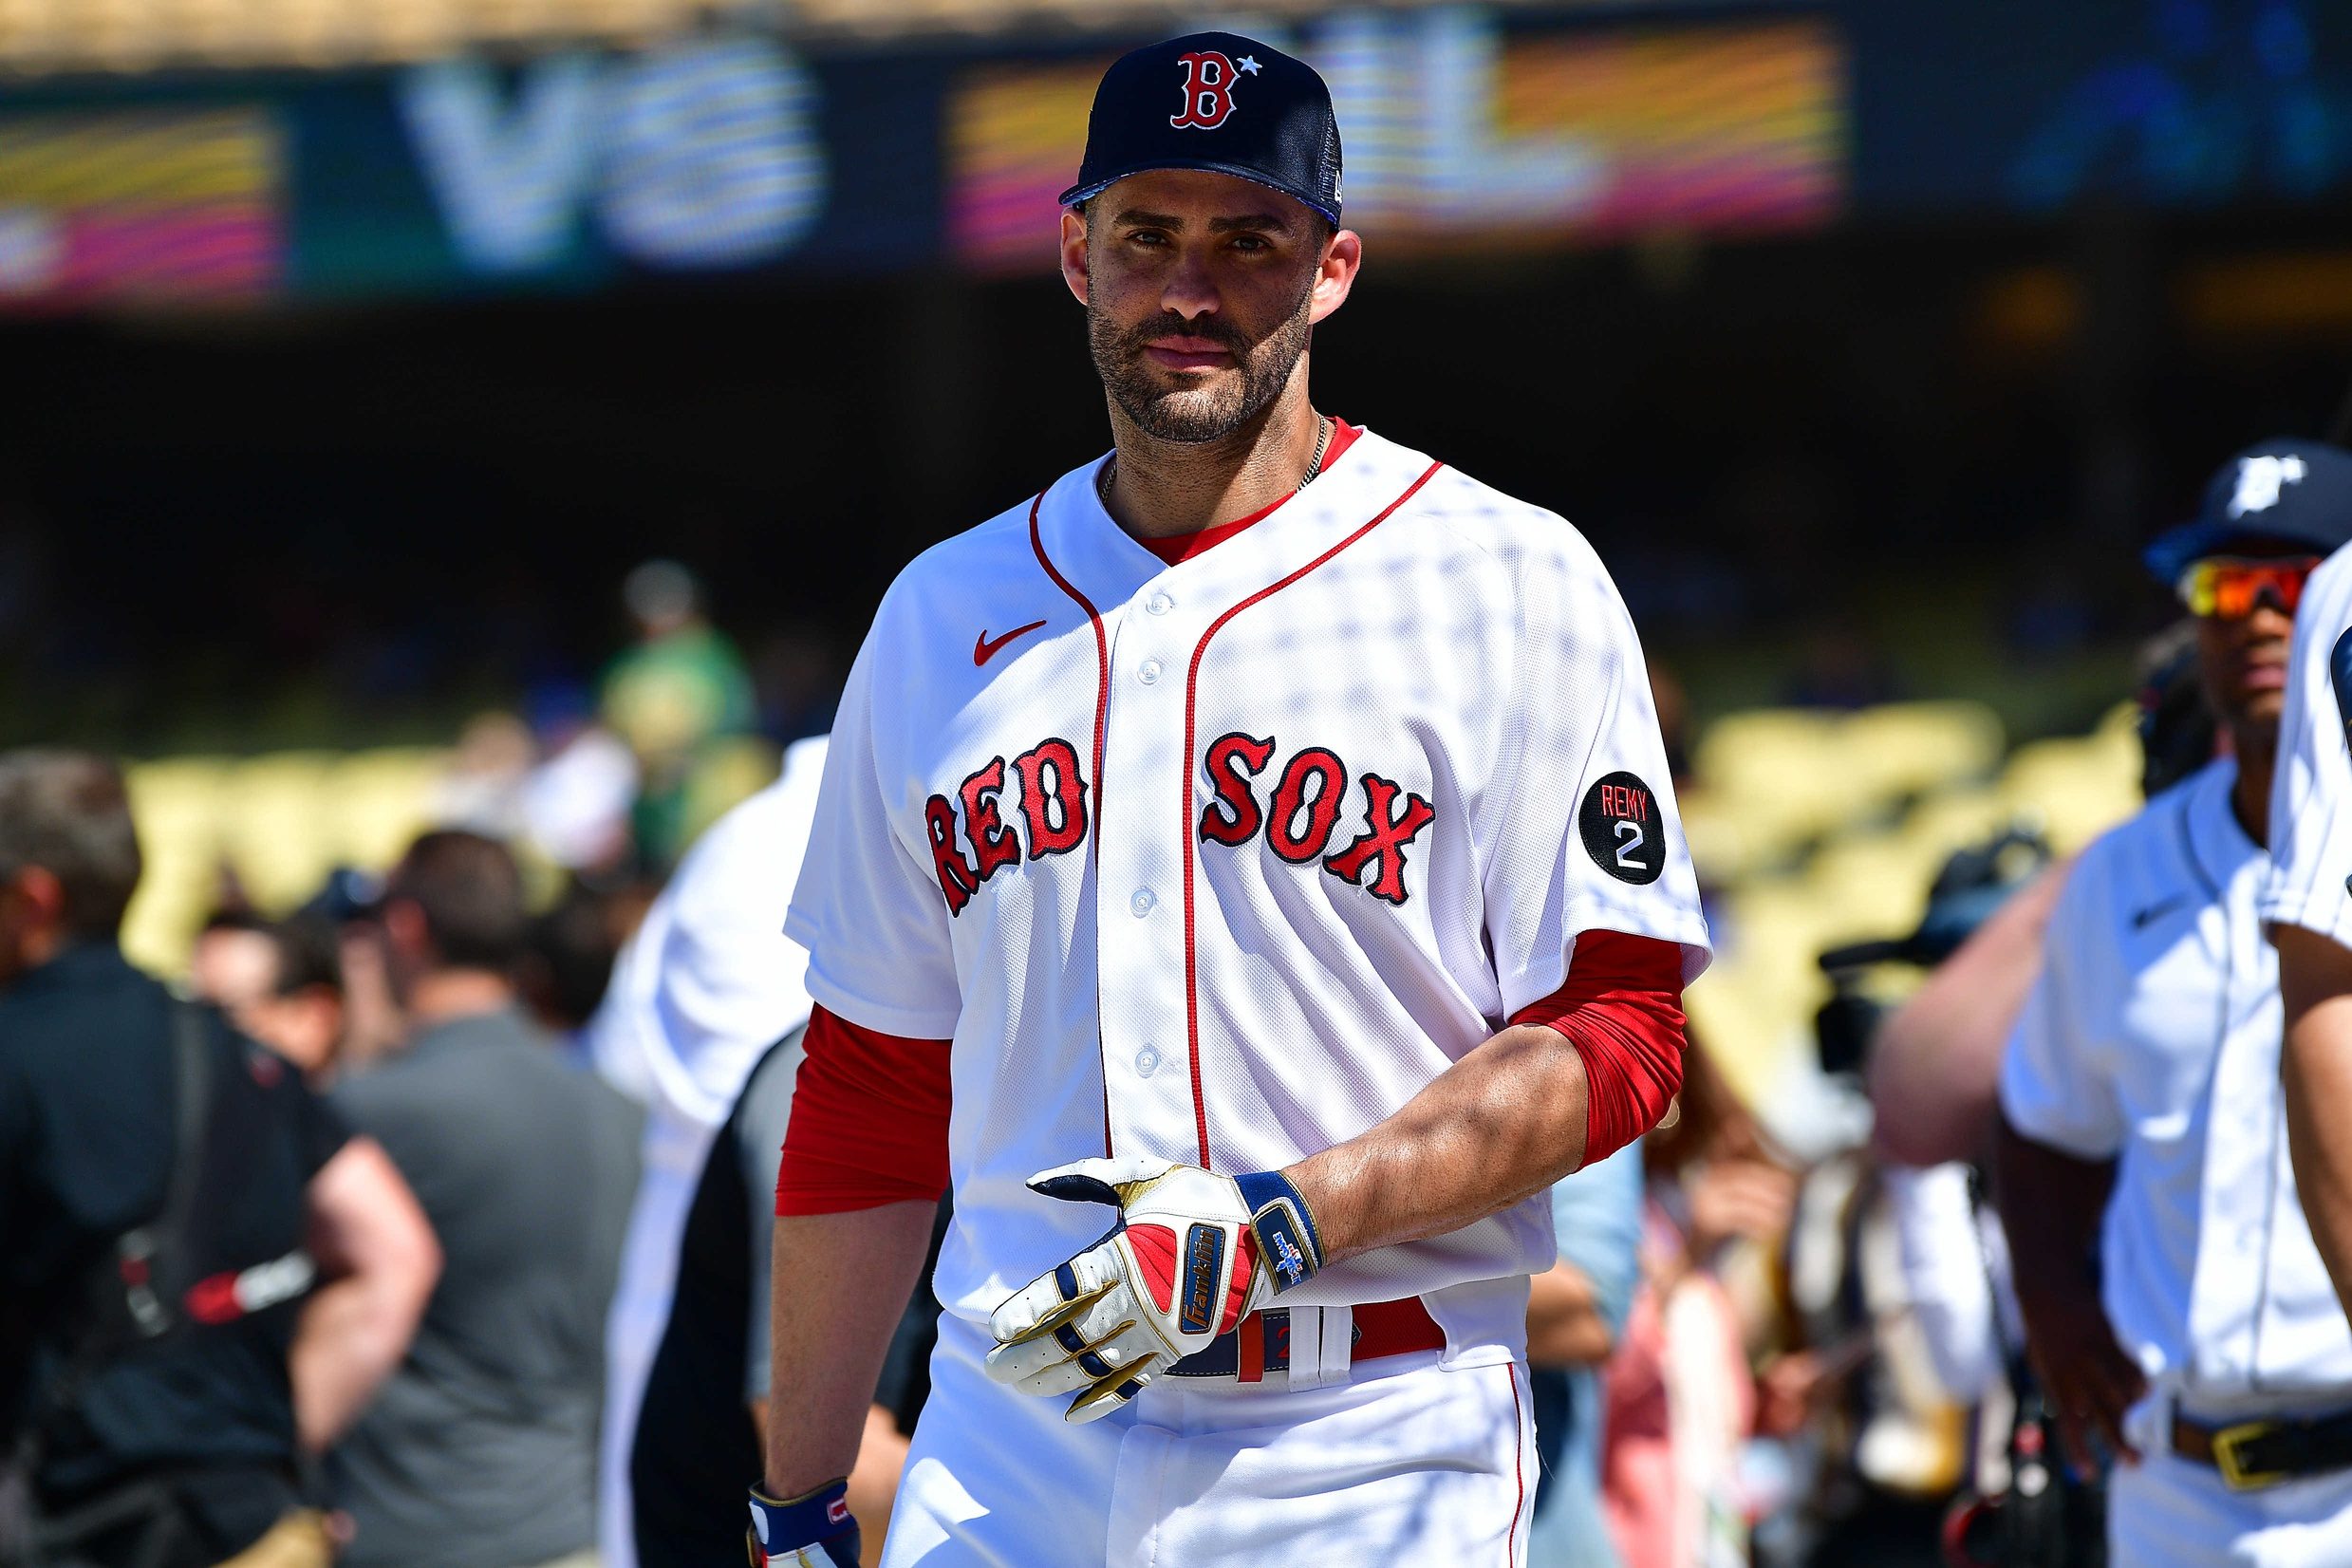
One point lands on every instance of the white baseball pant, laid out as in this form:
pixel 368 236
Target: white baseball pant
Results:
pixel 1406 1461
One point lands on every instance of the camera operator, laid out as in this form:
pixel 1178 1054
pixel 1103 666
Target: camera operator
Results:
pixel 202 1278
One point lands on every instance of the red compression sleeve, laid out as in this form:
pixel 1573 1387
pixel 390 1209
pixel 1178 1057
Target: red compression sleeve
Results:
pixel 869 1124
pixel 1622 1008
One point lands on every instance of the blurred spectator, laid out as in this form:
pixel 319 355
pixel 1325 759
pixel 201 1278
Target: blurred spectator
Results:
pixel 280 982
pixel 483 791
pixel 1680 1400
pixel 707 984
pixel 481 1450
pixel 1576 1315
pixel 345 906
pixel 577 800
pixel 566 964
pixel 682 686
pixel 205 1277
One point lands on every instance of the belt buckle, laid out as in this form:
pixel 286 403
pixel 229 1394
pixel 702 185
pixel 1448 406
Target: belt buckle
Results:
pixel 2231 1462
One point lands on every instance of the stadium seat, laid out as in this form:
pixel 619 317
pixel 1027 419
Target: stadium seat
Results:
pixel 176 804
pixel 378 801
pixel 1780 774
pixel 278 828
pixel 1903 749
pixel 2074 789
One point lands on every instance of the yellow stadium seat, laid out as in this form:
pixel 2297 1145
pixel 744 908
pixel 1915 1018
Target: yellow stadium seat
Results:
pixel 1953 820
pixel 176 804
pixel 1871 886
pixel 378 801
pixel 1778 773
pixel 278 827
pixel 1902 749
pixel 2076 789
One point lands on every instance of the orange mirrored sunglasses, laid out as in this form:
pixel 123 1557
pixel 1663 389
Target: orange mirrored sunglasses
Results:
pixel 2230 586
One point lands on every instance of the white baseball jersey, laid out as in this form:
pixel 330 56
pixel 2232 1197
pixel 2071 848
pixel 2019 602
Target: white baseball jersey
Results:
pixel 706 985
pixel 2311 791
pixel 2152 1036
pixel 1221 862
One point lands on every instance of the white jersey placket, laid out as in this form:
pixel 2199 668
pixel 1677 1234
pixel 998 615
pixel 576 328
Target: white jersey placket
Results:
pixel 1156 624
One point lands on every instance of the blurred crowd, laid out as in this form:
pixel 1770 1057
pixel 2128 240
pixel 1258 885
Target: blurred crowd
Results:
pixel 463 1178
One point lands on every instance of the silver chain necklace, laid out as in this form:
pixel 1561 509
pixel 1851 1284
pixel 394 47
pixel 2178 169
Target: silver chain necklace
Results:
pixel 1314 464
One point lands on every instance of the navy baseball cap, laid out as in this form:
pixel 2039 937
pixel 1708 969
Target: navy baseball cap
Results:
pixel 1219 102
pixel 2283 491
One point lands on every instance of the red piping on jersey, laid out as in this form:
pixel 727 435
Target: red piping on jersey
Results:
pixel 1192 696
pixel 1518 1468
pixel 1102 720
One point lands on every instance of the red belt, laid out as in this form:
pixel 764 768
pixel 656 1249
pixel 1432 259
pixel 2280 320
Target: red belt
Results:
pixel 1261 1343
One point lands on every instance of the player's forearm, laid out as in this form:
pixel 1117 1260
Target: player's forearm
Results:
pixel 838 1285
pixel 2315 980
pixel 1936 1065
pixel 2051 1204
pixel 1501 1125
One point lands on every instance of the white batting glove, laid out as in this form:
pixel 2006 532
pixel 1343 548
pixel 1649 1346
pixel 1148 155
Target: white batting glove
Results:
pixel 1192 1255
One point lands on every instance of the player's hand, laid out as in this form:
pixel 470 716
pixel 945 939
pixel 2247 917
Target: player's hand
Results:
pixel 2086 1378
pixel 815 1530
pixel 1193 1253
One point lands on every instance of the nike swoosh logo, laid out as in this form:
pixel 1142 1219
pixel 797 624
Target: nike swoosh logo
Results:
pixel 2139 921
pixel 983 650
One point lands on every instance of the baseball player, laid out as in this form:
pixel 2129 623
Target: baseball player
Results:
pixel 1247 871
pixel 2308 902
pixel 2141 1108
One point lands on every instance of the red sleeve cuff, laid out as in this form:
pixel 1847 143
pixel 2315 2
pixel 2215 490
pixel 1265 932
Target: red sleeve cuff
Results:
pixel 1622 1008
pixel 869 1124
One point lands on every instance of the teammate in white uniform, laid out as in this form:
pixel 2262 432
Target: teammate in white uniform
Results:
pixel 2143 1079
pixel 1288 865
pixel 2308 902
pixel 706 985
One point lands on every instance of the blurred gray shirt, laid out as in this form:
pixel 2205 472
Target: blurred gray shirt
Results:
pixel 480 1450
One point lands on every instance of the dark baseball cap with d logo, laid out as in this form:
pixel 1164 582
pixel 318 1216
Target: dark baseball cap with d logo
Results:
pixel 1217 102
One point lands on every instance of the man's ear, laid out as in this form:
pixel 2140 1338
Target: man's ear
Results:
pixel 1074 252
pixel 1343 254
pixel 403 926
pixel 42 896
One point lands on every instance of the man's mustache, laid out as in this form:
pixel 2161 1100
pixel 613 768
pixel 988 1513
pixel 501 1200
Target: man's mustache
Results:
pixel 1136 339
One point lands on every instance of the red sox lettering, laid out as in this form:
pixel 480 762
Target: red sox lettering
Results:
pixel 1052 798
pixel 976 833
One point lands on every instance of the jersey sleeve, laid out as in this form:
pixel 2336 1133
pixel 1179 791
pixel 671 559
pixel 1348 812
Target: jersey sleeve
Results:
pixel 866 907
pixel 1585 833
pixel 2056 1087
pixel 2311 787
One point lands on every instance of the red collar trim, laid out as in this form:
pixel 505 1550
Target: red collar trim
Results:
pixel 1179 548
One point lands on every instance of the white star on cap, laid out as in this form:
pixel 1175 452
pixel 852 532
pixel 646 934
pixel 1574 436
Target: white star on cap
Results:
pixel 1247 62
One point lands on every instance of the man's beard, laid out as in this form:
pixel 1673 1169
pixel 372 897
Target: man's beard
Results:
pixel 1197 414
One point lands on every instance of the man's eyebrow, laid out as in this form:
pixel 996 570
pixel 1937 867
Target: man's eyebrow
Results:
pixel 1247 223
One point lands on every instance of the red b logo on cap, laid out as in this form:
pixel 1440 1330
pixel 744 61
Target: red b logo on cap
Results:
pixel 1208 91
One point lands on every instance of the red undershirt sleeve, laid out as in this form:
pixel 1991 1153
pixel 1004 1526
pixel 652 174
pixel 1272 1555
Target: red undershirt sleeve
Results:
pixel 1622 1008
pixel 869 1124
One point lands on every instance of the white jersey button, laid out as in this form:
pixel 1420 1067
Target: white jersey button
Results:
pixel 1147 1062
pixel 1148 672
pixel 1142 903
pixel 1158 603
